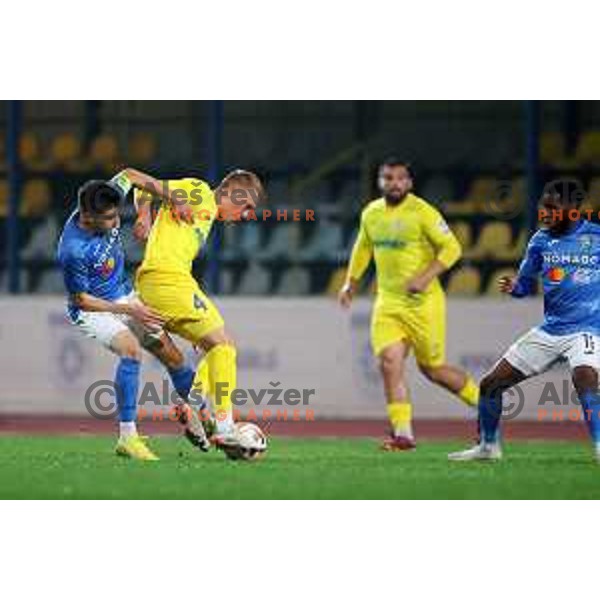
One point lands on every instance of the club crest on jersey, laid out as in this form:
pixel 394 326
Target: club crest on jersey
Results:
pixel 396 226
pixel 107 267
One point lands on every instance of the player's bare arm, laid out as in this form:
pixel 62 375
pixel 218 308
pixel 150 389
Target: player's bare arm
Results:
pixel 154 188
pixel 143 221
pixel 135 309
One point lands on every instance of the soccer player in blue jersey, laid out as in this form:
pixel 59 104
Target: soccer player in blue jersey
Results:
pixel 565 253
pixel 103 306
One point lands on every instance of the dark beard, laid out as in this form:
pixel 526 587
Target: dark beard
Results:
pixel 394 200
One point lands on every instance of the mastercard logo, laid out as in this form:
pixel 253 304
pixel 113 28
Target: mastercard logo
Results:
pixel 556 274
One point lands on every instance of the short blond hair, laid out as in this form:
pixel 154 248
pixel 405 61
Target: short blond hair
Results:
pixel 246 179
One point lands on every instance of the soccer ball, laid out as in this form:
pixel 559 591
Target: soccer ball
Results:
pixel 253 443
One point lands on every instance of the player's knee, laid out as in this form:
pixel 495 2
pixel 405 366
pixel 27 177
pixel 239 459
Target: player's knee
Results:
pixel 433 374
pixel 490 384
pixel 388 364
pixel 129 348
pixel 585 379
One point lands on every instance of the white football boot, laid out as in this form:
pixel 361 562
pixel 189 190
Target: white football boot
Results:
pixel 482 451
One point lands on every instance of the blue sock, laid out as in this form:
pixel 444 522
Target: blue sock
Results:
pixel 490 410
pixel 127 380
pixel 182 379
pixel 590 404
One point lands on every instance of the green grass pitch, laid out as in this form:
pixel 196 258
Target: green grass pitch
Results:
pixel 84 467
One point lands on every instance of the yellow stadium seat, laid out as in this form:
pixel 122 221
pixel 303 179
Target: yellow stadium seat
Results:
pixel 336 281
pixel 66 151
pixel 492 286
pixel 29 149
pixel 3 198
pixel 464 234
pixel 141 149
pixel 35 198
pixel 552 147
pixel 104 152
pixel 495 239
pixel 478 196
pixel 588 148
pixel 465 281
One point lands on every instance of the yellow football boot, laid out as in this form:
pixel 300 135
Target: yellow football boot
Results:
pixel 133 446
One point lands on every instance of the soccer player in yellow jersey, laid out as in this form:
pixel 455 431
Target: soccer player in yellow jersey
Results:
pixel 164 280
pixel 412 245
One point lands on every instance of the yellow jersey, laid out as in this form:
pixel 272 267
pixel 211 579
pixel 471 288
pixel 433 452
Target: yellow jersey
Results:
pixel 403 240
pixel 173 245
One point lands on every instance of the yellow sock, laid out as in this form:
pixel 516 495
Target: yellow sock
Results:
pixel 217 373
pixel 203 379
pixel 400 416
pixel 469 393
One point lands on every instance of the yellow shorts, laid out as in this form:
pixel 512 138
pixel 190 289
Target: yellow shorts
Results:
pixel 188 310
pixel 422 326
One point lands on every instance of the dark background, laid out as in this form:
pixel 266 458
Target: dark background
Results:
pixel 483 163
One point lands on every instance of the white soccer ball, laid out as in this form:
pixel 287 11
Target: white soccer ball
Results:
pixel 253 442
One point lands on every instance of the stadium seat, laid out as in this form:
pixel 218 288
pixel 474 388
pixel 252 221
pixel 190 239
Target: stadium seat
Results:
pixel 552 148
pixel 464 233
pixel 325 243
pixel 23 280
pixel 482 189
pixel 226 282
pixel 295 282
pixel 141 149
pixel 495 240
pixel 51 282
pixel 465 281
pixel 30 152
pixel 508 199
pixel 104 152
pixel 284 241
pixel 240 242
pixel 492 286
pixel 256 281
pixel 42 244
pixel 66 152
pixel 588 149
pixel 35 198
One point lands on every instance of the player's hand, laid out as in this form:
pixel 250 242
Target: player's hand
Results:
pixel 145 315
pixel 506 284
pixel 345 295
pixel 417 285
pixel 141 229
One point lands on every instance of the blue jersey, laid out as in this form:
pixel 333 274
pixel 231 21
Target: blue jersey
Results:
pixel 569 266
pixel 93 263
